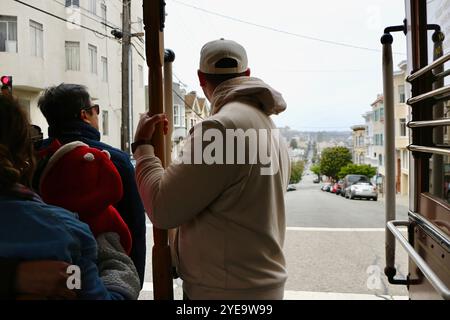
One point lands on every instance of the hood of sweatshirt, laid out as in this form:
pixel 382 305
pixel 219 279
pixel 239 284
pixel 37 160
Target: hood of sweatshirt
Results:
pixel 248 90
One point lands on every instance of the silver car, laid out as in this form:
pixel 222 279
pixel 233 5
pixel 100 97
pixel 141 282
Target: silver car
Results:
pixel 362 190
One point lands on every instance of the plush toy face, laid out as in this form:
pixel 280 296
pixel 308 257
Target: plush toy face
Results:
pixel 81 179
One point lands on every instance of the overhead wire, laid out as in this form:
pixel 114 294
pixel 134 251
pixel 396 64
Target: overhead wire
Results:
pixel 307 37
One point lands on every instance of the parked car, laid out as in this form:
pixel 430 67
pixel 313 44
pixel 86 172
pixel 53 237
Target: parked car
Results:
pixel 362 190
pixel 351 179
pixel 328 187
pixel 334 188
pixel 291 187
pixel 316 180
pixel 339 189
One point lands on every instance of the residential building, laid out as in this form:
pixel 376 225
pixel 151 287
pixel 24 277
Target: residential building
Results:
pixel 368 141
pixel 401 116
pixel 179 116
pixel 39 50
pixel 378 136
pixel 358 142
pixel 194 109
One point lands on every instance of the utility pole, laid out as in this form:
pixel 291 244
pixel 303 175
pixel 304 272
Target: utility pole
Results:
pixel 126 47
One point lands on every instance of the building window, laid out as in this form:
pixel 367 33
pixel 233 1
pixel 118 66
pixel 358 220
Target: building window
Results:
pixel 177 119
pixel 74 3
pixel 403 127
pixel 361 158
pixel 103 10
pixel 405 159
pixel 72 56
pixel 401 94
pixel 93 6
pixel 381 114
pixel 36 39
pixel 105 69
pixel 141 76
pixel 105 122
pixel 92 59
pixel 381 140
pixel 376 115
pixel 380 160
pixel 8 34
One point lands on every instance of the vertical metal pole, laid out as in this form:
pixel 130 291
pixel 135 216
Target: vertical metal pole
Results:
pixel 169 58
pixel 389 146
pixel 437 174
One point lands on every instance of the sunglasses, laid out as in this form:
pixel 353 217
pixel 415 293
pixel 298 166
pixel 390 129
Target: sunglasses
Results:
pixel 96 107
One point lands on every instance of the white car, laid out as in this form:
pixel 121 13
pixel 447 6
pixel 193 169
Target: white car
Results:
pixel 362 190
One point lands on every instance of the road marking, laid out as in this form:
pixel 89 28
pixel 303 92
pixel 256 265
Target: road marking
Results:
pixel 335 229
pixel 321 229
pixel 308 295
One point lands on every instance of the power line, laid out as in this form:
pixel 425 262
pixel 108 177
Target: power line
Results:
pixel 281 31
pixel 138 52
pixel 63 19
pixel 187 104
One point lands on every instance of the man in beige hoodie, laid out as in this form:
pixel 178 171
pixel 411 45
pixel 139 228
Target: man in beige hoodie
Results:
pixel 226 193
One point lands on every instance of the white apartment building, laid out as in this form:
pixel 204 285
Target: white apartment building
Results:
pixel 378 135
pixel 370 157
pixel 374 137
pixel 39 50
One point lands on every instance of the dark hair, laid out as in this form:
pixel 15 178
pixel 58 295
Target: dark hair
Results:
pixel 216 79
pixel 62 103
pixel 17 162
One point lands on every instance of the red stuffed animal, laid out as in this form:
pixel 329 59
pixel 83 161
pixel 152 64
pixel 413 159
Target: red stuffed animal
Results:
pixel 84 180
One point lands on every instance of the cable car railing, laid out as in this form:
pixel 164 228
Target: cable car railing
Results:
pixel 425 144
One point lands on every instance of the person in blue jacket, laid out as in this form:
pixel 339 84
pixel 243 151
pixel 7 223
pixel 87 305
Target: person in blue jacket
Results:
pixel 72 116
pixel 31 230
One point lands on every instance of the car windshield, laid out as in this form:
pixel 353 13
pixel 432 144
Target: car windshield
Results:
pixel 363 183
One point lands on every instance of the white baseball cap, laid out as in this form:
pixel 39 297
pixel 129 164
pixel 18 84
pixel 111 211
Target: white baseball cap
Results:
pixel 217 50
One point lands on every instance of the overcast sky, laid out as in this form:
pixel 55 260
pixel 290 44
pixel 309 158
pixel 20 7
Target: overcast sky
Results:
pixel 326 86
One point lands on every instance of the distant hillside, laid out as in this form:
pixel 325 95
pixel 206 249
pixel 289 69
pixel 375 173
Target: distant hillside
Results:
pixel 316 136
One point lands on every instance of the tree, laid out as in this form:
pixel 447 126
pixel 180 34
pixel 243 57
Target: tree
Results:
pixel 294 144
pixel 316 170
pixel 297 168
pixel 333 159
pixel 364 169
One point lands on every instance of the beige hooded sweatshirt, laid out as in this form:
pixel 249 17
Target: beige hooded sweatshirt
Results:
pixel 231 216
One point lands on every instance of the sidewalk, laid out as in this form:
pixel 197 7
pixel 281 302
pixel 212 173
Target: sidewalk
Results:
pixel 402 200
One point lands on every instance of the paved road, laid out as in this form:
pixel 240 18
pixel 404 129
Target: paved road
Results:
pixel 336 245
pixel 310 207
